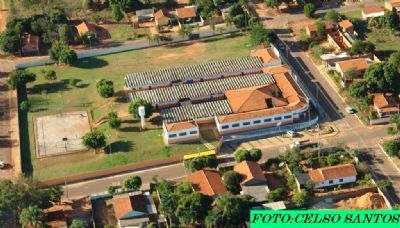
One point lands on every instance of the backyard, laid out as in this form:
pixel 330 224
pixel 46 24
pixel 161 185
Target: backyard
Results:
pixel 75 89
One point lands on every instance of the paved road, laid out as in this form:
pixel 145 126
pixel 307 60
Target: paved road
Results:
pixel 5 128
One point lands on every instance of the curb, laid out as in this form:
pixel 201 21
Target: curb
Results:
pixel 391 160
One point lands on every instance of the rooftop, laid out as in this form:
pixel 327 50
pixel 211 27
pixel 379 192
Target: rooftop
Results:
pixel 372 9
pixel 132 205
pixel 250 170
pixel 85 27
pixel 224 67
pixel 345 24
pixel 357 64
pixel 161 13
pixel 208 182
pixel 266 54
pixel 186 12
pixel 313 27
pixel 332 172
pixel 181 125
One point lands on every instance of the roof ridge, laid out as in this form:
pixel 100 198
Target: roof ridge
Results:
pixel 208 180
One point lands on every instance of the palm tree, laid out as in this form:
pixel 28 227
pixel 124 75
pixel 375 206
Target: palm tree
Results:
pixel 31 217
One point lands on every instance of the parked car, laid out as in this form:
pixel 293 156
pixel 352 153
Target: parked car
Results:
pixel 349 110
pixel 2 165
pixel 291 133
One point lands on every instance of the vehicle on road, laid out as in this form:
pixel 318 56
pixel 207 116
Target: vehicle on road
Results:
pixel 2 165
pixel 350 110
pixel 291 133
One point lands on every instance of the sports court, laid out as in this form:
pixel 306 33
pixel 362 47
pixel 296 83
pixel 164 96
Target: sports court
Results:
pixel 60 133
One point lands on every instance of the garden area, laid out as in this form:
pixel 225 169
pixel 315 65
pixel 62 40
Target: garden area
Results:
pixel 74 88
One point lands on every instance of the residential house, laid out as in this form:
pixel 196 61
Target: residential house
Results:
pixel 208 182
pixel 338 41
pixel 135 209
pixel 311 30
pixel 392 6
pixel 386 105
pixel 351 69
pixel 253 182
pixel 328 176
pixel 86 27
pixel 372 12
pixel 30 44
pixel 187 15
pixel 144 15
pixel 269 55
pixel 346 26
pixel 162 17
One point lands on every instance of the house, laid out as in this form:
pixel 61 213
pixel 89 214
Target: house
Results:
pixel 187 15
pixel 253 182
pixel 135 209
pixel 144 15
pixel 30 44
pixel 328 176
pixel 346 26
pixel 386 104
pixel 338 41
pixel 86 27
pixel 311 30
pixel 269 55
pixel 352 68
pixel 162 17
pixel 393 6
pixel 372 12
pixel 208 182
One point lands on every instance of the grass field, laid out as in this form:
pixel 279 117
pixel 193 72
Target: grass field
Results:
pixel 124 32
pixel 74 89
pixel 384 40
pixel 353 14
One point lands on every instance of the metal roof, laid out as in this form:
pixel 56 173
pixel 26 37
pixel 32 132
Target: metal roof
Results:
pixel 200 89
pixel 192 71
pixel 196 111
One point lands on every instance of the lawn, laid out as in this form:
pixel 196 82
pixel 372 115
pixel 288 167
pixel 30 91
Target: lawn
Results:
pixel 384 40
pixel 124 32
pixel 74 89
pixel 353 14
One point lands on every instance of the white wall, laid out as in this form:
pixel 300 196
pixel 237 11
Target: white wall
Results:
pixel 167 134
pixel 326 183
pixel 371 15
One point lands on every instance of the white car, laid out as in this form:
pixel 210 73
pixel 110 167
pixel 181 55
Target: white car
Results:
pixel 291 133
pixel 349 110
pixel 2 165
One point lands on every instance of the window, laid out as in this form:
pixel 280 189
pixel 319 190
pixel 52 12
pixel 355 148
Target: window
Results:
pixel 235 125
pixel 172 135
pixel 256 121
pixel 331 182
pixel 246 123
pixel 278 118
pixel 182 134
pixel 340 180
pixel 267 120
pixel 193 132
pixel 224 126
pixel 288 117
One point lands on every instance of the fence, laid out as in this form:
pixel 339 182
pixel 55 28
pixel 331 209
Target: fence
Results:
pixel 269 131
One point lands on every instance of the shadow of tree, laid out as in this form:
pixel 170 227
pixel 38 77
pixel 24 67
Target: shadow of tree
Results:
pixel 121 96
pixel 50 87
pixel 91 63
pixel 120 146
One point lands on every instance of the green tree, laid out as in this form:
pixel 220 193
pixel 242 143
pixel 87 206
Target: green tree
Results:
pixel 77 223
pixel 152 225
pixel 334 16
pixel 199 163
pixel 50 75
pixel 260 35
pixel 184 188
pixel 94 140
pixel 333 159
pixel 301 198
pixel 31 216
pixel 384 184
pixel 272 4
pixel 395 59
pixel 309 10
pixel 321 29
pixel 193 208
pixel 24 106
pixel 19 79
pixel 168 205
pixel 111 189
pixel 358 89
pixel 255 154
pixel 360 47
pixel 105 88
pixel 113 121
pixel 390 20
pixel 249 155
pixel 229 211
pixel 232 181
pixel 62 53
pixel 66 34
pixel 133 183
pixel 275 195
pixel 55 194
pixel 9 41
pixel 392 148
pixel 117 13
pixel 382 77
pixel 134 108
pixel 57 15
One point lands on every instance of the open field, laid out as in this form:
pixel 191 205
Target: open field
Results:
pixel 74 89
pixel 384 40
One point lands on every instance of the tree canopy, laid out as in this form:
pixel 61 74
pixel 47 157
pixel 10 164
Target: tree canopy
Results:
pixel 253 154
pixel 94 140
pixel 31 216
pixel 62 53
pixel 105 88
pixel 275 195
pixel 260 35
pixel 301 198
pixel 232 181
pixel 358 89
pixel 134 108
pixel 193 208
pixel 361 47
pixel 19 79
pixel 334 16
pixel 133 183
pixel 309 10
pixel 382 77
pixel 199 163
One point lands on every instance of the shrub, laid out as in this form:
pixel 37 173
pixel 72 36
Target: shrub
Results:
pixel 50 75
pixel 105 88
pixel 133 183
pixel 133 108
pixel 309 10
pixel 384 184
pixel 392 147
pixel 301 198
pixel 24 106
pixel 275 195
pixel 111 189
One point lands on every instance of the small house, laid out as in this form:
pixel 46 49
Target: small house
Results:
pixel 311 30
pixel 352 68
pixel 393 6
pixel 346 26
pixel 187 15
pixel 386 105
pixel 328 176
pixel 372 12
pixel 135 209
pixel 162 17
pixel 30 44
pixel 208 182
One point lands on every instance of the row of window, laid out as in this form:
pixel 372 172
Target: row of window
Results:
pixel 331 181
pixel 248 123
pixel 182 134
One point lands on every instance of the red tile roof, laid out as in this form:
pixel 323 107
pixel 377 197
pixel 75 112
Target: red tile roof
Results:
pixel 372 9
pixel 161 13
pixel 207 182
pixel 358 64
pixel 332 172
pixel 181 126
pixel 187 12
pixel 85 27
pixel 126 203
pixel 266 54
pixel 249 170
pixel 346 24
